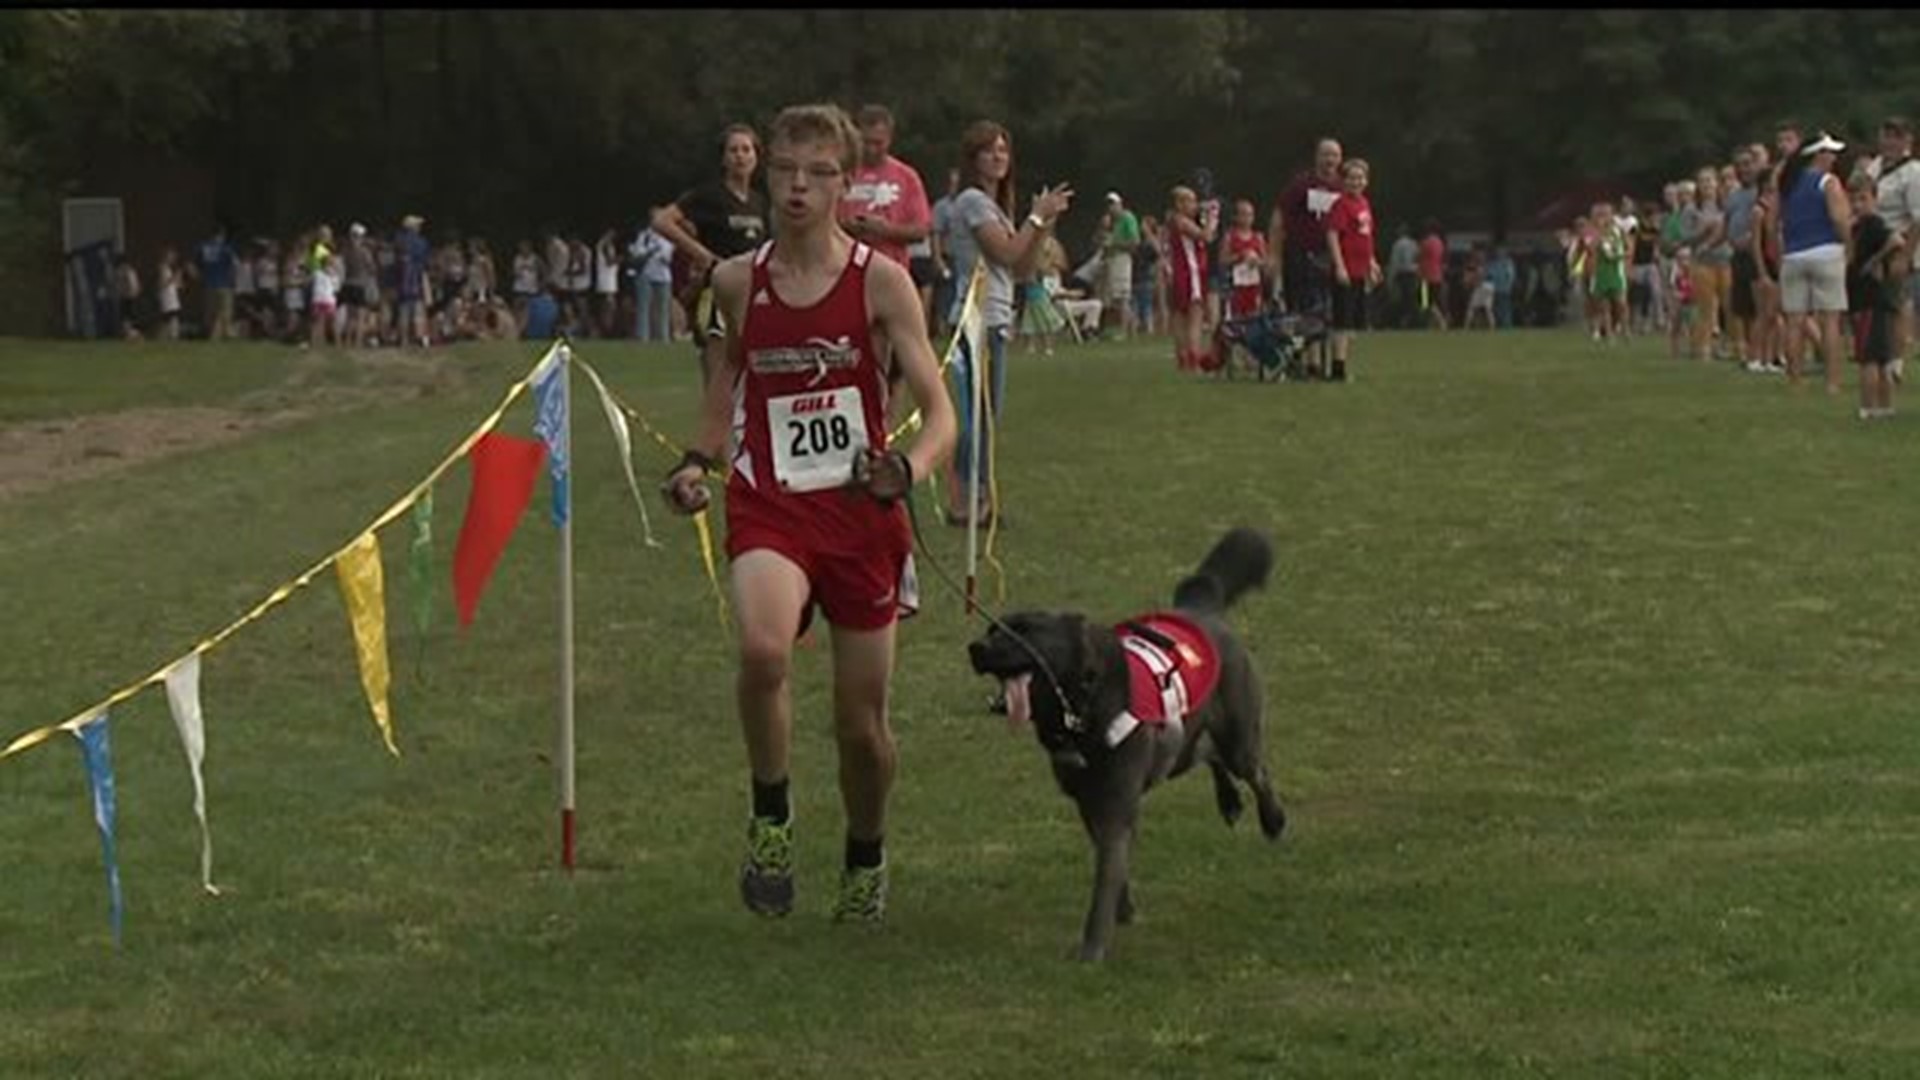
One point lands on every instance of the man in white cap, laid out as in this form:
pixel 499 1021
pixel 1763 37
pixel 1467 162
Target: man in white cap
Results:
pixel 1116 250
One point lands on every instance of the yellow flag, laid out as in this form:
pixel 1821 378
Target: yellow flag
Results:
pixel 363 589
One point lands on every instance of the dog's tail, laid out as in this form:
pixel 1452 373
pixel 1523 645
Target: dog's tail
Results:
pixel 1240 561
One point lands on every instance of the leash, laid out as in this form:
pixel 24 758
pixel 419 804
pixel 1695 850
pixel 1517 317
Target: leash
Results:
pixel 1073 721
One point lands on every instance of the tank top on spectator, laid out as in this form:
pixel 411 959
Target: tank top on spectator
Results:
pixel 217 264
pixel 809 398
pixel 323 287
pixel 725 224
pixel 1186 262
pixel 1244 274
pixel 1806 228
pixel 579 267
pixel 1643 248
pixel 1304 207
pixel 1146 260
pixel 606 271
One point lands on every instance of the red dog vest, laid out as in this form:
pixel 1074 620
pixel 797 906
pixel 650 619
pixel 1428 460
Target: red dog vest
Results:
pixel 1172 669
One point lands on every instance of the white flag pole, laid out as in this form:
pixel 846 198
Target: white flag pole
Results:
pixel 978 356
pixel 565 750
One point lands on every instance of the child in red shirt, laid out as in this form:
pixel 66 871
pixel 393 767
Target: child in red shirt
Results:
pixel 1355 266
pixel 1246 254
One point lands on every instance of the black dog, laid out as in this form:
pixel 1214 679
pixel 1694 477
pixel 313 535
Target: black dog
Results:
pixel 1119 709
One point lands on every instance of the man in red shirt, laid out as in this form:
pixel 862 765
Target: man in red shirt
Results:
pixel 1297 230
pixel 886 203
pixel 797 405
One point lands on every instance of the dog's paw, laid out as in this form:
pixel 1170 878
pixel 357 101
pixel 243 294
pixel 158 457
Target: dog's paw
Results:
pixel 1273 820
pixel 1089 953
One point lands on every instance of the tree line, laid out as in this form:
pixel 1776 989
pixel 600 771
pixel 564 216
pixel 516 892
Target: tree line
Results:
pixel 501 123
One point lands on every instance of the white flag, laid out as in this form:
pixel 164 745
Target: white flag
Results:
pixel 183 697
pixel 623 435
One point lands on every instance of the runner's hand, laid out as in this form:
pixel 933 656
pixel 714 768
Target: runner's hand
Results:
pixel 685 488
pixel 886 475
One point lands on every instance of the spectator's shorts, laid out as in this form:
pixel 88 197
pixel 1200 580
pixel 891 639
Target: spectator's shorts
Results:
pixel 1610 279
pixel 1118 285
pixel 1872 337
pixel 1745 270
pixel 1306 280
pixel 1818 284
pixel 920 268
pixel 1350 306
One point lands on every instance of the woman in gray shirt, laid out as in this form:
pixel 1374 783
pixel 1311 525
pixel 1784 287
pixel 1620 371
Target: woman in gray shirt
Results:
pixel 1705 226
pixel 983 232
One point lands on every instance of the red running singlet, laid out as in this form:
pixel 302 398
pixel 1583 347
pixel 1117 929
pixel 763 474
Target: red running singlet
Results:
pixel 810 397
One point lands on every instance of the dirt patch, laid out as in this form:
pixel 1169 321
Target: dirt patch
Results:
pixel 40 454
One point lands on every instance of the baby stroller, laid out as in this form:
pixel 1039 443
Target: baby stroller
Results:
pixel 1283 342
pixel 1279 342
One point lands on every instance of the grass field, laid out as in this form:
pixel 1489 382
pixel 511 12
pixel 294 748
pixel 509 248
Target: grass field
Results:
pixel 1593 706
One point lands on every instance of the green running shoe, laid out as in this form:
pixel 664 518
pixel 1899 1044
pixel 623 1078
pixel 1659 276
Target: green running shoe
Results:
pixel 766 877
pixel 863 895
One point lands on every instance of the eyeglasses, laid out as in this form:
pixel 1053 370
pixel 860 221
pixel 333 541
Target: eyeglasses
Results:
pixel 822 173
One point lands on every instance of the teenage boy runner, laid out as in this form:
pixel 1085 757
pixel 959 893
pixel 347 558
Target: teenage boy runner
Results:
pixel 796 401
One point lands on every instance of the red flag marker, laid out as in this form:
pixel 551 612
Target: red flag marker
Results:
pixel 505 470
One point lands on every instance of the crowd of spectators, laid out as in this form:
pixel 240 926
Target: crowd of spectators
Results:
pixel 363 289
pixel 1803 245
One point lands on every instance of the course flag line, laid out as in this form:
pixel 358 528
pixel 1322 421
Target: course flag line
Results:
pixel 79 720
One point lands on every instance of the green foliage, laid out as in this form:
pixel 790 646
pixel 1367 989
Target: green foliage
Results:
pixel 507 121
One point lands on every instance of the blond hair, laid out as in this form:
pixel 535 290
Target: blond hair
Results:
pixel 818 123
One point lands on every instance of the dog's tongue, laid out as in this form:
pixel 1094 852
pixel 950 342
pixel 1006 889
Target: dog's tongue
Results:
pixel 1019 704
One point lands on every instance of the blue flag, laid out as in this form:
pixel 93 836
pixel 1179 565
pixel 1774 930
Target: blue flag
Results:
pixel 96 750
pixel 550 423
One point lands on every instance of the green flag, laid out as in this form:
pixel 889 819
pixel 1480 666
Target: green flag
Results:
pixel 420 573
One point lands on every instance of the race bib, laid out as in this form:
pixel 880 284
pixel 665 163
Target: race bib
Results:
pixel 816 437
pixel 1246 274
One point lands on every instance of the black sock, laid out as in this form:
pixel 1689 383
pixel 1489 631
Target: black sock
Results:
pixel 770 801
pixel 865 853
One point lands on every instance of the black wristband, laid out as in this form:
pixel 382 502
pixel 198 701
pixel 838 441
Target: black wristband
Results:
pixel 906 465
pixel 695 457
